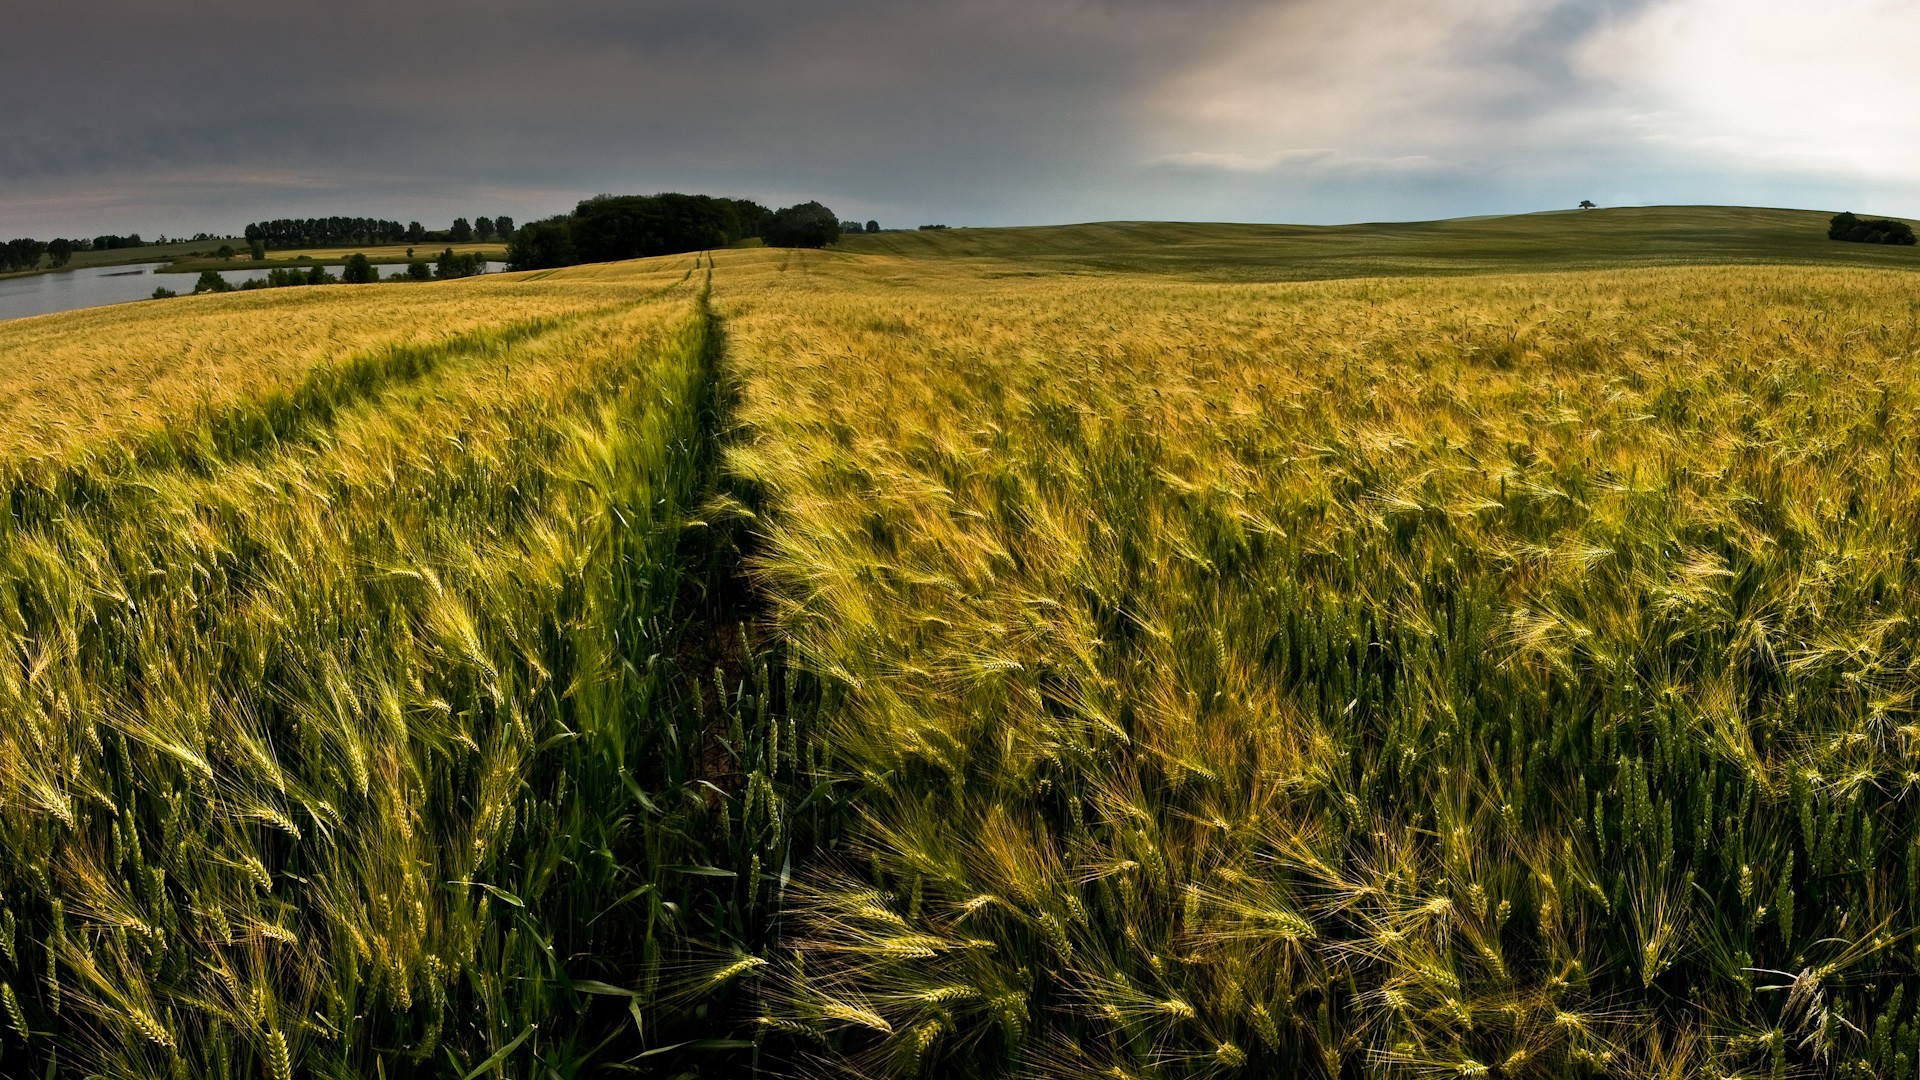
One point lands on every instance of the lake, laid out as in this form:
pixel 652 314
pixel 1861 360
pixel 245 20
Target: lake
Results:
pixel 44 294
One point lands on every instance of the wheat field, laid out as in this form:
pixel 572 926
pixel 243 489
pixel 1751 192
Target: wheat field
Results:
pixel 1492 676
pixel 342 730
pixel 875 663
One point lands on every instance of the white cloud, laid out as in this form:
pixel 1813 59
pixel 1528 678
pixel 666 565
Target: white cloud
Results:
pixel 1397 84
pixel 1776 84
pixel 1774 101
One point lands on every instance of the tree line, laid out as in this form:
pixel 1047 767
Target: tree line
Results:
pixel 605 228
pixel 287 233
pixel 608 228
pixel 25 253
pixel 1846 226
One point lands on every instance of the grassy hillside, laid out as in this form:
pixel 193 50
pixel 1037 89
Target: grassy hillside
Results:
pixel 1566 240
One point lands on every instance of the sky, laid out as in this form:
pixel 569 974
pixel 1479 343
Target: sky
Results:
pixel 125 116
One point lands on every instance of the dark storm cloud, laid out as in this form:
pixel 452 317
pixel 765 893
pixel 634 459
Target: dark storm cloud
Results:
pixel 182 117
pixel 882 105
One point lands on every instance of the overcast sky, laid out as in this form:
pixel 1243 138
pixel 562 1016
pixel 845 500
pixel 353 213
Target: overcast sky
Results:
pixel 203 115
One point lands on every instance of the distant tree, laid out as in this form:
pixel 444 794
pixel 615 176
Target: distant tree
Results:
pixel 873 226
pixel 319 276
pixel 22 254
pixel 257 248
pixel 542 245
pixel 483 228
pixel 164 293
pixel 503 227
pixel 748 218
pixel 851 227
pixel 1587 204
pixel 807 225
pixel 225 252
pixel 359 270
pixel 415 232
pixel 60 251
pixel 418 270
pixel 462 231
pixel 458 266
pixel 1845 226
pixel 211 281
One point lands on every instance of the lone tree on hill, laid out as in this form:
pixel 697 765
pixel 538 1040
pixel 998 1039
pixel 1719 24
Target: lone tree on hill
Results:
pixel 1587 204
pixel 873 226
pixel 1845 226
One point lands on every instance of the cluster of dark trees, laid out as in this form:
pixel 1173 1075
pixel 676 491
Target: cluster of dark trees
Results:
pixel 450 266
pixel 21 254
pixel 931 228
pixel 856 227
pixel 325 232
pixel 25 253
pixel 808 225
pixel 607 228
pixel 343 231
pixel 1855 230
pixel 482 229
pixel 277 278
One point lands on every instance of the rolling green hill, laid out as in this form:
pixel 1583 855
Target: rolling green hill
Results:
pixel 1560 240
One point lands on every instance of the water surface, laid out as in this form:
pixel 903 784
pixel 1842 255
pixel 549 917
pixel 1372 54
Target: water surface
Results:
pixel 44 294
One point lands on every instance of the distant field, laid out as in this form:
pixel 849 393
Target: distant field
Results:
pixel 150 253
pixel 1467 649
pixel 1562 240
pixel 191 258
pixel 378 253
